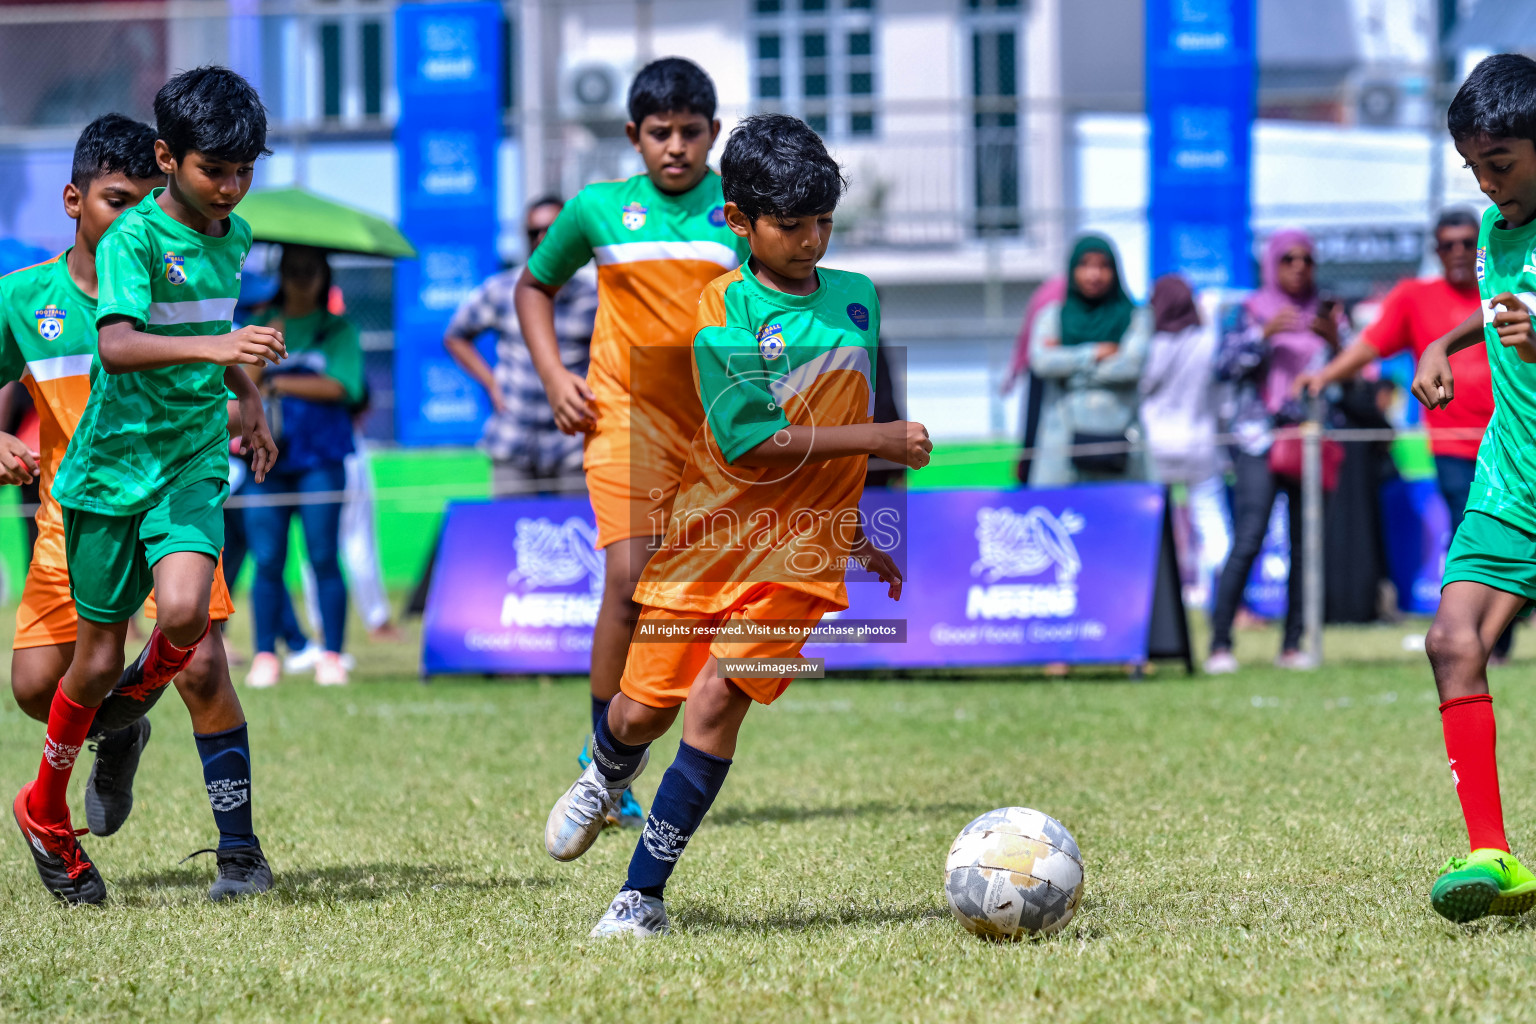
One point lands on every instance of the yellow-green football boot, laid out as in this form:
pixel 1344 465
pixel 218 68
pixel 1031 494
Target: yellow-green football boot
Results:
pixel 1486 881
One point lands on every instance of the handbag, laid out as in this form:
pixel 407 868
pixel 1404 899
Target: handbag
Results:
pixel 1111 463
pixel 1287 453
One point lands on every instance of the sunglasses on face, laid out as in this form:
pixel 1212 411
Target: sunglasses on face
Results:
pixel 1466 244
pixel 1291 257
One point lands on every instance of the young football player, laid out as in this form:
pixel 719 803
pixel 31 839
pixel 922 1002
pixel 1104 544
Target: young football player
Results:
pixel 766 517
pixel 658 239
pixel 143 481
pixel 47 341
pixel 1490 570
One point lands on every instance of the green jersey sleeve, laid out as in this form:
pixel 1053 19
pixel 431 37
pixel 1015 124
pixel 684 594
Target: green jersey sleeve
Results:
pixel 566 247
pixel 733 387
pixel 123 269
pixel 344 358
pixel 12 362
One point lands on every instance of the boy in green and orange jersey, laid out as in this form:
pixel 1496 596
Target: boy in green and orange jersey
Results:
pixel 658 239
pixel 1490 570
pixel 143 481
pixel 766 519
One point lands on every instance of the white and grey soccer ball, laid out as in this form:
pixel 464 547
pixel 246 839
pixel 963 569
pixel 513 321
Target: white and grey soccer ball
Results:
pixel 1014 873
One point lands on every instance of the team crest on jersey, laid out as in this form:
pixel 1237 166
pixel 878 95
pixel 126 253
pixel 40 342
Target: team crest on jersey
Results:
pixel 770 341
pixel 50 322
pixel 859 314
pixel 634 216
pixel 717 216
pixel 175 268
pixel 1482 260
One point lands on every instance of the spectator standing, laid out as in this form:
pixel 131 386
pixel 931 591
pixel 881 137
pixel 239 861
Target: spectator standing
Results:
pixel 1178 409
pixel 1089 349
pixel 1282 331
pixel 1413 315
pixel 528 452
pixel 311 396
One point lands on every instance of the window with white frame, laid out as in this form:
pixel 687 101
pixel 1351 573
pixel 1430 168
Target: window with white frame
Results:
pixel 816 59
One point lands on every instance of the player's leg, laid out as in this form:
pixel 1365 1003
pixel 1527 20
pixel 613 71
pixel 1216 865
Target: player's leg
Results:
pixel 1291 654
pixel 224 748
pixel 1253 497
pixel 105 597
pixel 716 708
pixel 1490 573
pixel 35 675
pixel 656 682
pixel 617 613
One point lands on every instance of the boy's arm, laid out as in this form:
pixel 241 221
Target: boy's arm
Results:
pixel 18 463
pixel 569 397
pixel 255 436
pixel 126 349
pixel 903 441
pixel 564 251
pixel 1433 384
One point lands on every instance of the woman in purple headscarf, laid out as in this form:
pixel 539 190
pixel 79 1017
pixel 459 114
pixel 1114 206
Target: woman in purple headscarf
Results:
pixel 1281 332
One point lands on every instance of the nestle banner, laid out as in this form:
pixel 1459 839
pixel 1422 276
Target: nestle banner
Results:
pixel 993 578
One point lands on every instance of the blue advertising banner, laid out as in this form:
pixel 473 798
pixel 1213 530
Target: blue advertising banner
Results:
pixel 993 578
pixel 1201 72
pixel 1418 533
pixel 448 68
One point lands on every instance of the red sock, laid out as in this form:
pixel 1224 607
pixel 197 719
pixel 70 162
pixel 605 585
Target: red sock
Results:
pixel 1470 737
pixel 68 724
pixel 165 659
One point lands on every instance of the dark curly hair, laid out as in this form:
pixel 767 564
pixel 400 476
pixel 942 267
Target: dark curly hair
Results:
pixel 1498 99
pixel 114 144
pixel 776 164
pixel 214 111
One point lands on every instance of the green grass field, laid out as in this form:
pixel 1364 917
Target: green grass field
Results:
pixel 1257 848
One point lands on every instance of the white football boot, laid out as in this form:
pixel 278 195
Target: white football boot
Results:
pixel 630 913
pixel 583 811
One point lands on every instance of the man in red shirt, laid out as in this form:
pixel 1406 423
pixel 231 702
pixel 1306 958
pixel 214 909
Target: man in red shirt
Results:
pixel 1413 314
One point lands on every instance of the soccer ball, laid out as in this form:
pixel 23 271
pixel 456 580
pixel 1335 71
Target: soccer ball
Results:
pixel 1013 872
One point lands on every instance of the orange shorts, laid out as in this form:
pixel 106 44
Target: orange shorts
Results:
pixel 46 616
pixel 659 673
pixel 631 501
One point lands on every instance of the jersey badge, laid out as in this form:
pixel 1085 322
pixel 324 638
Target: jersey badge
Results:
pixel 634 216
pixel 770 341
pixel 717 217
pixel 50 322
pixel 175 268
pixel 1482 260
pixel 859 314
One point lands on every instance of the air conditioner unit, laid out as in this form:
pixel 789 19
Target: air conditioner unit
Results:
pixel 594 91
pixel 1379 104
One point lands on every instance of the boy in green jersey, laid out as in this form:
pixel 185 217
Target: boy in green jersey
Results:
pixel 767 515
pixel 143 482
pixel 48 342
pixel 658 238
pixel 1490 570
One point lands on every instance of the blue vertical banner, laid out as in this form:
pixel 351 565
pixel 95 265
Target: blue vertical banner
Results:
pixel 1201 73
pixel 448 60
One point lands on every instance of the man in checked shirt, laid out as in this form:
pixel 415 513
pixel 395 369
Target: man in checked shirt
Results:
pixel 529 453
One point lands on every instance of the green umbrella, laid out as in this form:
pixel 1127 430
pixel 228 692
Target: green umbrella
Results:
pixel 294 216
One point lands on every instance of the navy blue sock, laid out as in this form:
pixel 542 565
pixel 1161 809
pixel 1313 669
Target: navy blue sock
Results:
pixel 614 760
pixel 227 773
pixel 687 790
pixel 599 706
